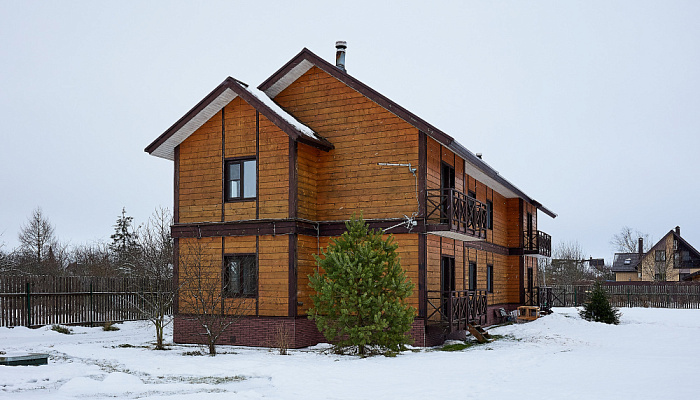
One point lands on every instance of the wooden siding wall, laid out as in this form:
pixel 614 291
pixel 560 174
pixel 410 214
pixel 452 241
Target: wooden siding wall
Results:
pixel 200 174
pixel 348 179
pixel 308 245
pixel 239 124
pixel 273 164
pixel 307 159
pixel 201 167
pixel 505 269
pixel 272 255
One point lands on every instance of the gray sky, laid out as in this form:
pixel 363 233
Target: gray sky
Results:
pixel 590 107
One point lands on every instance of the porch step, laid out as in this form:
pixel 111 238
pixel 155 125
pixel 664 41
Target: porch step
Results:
pixel 479 333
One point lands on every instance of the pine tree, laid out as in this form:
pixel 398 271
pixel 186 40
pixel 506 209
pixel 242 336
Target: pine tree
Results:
pixel 125 247
pixel 360 300
pixel 598 309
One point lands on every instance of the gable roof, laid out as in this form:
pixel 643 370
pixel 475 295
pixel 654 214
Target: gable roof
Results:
pixel 619 262
pixel 477 168
pixel 229 89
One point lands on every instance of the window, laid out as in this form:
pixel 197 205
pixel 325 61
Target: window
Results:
pixel 489 278
pixel 240 180
pixel 660 255
pixel 240 275
pixel 489 214
pixel 472 276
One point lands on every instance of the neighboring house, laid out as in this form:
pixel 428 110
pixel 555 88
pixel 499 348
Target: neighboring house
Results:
pixel 266 184
pixel 670 259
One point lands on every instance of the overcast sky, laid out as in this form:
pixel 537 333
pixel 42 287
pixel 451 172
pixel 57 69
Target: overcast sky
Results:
pixel 590 107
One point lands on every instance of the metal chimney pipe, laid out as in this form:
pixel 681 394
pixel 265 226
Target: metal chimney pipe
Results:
pixel 678 230
pixel 340 47
pixel 641 246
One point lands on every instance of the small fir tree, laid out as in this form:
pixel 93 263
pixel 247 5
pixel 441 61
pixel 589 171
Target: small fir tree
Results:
pixel 361 292
pixel 598 309
pixel 125 246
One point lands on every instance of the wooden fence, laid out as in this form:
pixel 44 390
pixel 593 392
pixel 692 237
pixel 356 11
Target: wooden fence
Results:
pixel 625 294
pixel 44 300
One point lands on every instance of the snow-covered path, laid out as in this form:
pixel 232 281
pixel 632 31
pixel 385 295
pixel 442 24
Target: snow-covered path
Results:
pixel 650 355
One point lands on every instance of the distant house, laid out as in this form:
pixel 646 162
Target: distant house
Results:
pixel 671 259
pixel 265 178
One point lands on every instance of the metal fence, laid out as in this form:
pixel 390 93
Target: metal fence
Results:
pixel 45 300
pixel 624 294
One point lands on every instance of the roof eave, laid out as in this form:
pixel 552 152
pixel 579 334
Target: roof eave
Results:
pixel 212 103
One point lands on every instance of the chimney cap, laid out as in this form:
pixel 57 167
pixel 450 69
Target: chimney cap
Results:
pixel 341 44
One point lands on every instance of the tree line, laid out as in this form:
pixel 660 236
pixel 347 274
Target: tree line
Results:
pixel 145 250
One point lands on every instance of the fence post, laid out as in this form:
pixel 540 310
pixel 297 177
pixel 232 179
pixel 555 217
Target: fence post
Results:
pixel 90 308
pixel 29 305
pixel 629 302
pixel 575 296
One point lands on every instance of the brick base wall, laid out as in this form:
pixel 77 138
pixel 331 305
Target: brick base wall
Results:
pixel 302 332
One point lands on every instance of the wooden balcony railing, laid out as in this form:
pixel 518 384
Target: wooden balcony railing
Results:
pixel 456 308
pixel 537 243
pixel 461 213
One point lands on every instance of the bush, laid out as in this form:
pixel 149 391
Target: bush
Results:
pixel 360 301
pixel 598 309
pixel 109 326
pixel 61 329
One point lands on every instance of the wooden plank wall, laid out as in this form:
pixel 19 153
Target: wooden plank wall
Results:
pixel 308 159
pixel 201 182
pixel 308 245
pixel 364 134
pixel 273 164
pixel 201 167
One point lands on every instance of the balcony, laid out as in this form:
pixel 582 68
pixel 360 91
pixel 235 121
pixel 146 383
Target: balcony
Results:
pixel 537 243
pixel 453 214
pixel 456 308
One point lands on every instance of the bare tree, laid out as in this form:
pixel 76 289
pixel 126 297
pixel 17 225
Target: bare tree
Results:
pixel 205 297
pixel 567 266
pixel 91 260
pixel 156 291
pixel 626 241
pixel 36 240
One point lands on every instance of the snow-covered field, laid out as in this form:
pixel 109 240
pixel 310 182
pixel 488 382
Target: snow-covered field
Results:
pixel 652 354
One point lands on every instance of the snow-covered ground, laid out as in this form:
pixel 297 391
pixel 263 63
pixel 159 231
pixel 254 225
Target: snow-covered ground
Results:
pixel 652 354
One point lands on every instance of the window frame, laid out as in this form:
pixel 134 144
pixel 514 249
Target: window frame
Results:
pixel 489 214
pixel 241 161
pixel 660 255
pixel 489 278
pixel 472 275
pixel 241 294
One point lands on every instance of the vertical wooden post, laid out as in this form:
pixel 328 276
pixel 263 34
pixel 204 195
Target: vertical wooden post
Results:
pixel 29 304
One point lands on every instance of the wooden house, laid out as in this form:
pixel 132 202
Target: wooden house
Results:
pixel 671 259
pixel 264 178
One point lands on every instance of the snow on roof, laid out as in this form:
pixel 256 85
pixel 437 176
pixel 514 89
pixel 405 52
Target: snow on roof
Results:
pixel 260 95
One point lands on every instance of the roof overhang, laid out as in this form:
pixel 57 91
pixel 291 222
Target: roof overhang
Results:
pixel 227 91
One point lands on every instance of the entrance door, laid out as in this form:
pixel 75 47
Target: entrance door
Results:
pixel 529 286
pixel 529 237
pixel 447 178
pixel 447 284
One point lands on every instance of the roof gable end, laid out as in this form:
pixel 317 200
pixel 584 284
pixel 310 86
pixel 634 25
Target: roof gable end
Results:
pixel 227 91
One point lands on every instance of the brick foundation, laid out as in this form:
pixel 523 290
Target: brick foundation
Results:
pixel 302 332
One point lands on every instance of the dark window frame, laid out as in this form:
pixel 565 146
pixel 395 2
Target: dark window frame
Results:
pixel 225 279
pixel 472 275
pixel 489 278
pixel 241 161
pixel 660 255
pixel 489 214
